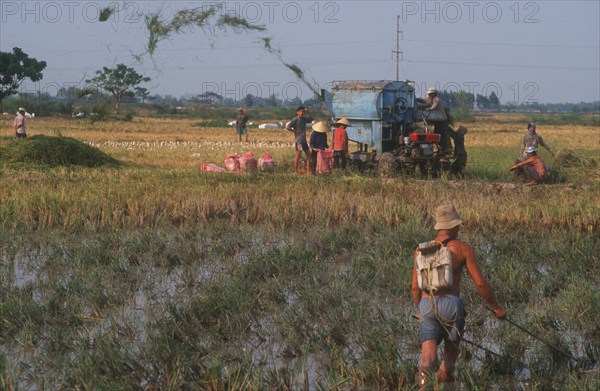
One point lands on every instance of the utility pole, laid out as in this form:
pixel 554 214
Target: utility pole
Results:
pixel 397 51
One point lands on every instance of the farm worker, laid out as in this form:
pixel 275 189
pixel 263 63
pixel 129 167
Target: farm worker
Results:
pixel 532 139
pixel 534 167
pixel 460 153
pixel 318 142
pixel 19 124
pixel 441 314
pixel 434 103
pixel 298 126
pixel 340 143
pixel 240 125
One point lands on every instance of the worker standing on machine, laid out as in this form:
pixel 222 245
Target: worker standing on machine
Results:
pixel 432 104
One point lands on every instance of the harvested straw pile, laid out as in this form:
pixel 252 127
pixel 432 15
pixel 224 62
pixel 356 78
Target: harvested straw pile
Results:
pixel 54 152
pixel 571 164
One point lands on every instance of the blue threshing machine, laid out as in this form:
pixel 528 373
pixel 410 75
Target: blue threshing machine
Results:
pixel 385 118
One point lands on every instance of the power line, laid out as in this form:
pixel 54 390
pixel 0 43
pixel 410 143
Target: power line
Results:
pixel 358 62
pixel 367 42
pixel 248 66
pixel 520 44
pixel 561 67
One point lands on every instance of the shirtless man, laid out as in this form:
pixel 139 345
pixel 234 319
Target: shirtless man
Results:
pixel 442 315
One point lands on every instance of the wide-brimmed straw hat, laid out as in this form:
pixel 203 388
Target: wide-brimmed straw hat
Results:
pixel 431 90
pixel 446 217
pixel 343 121
pixel 21 110
pixel 320 127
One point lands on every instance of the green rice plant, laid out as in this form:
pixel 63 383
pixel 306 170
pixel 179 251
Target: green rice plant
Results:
pixel 576 306
pixel 240 378
pixel 333 373
pixel 21 317
pixel 326 310
pixel 583 381
pixel 510 362
pixel 6 377
pixel 281 379
pixel 107 364
pixel 478 380
pixel 174 357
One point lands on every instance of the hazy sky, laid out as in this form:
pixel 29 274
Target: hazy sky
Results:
pixel 524 51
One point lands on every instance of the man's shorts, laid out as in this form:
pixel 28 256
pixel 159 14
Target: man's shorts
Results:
pixel 441 318
pixel 302 146
pixel 241 130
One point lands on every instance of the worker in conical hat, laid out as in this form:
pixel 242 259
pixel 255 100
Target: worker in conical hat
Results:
pixel 317 142
pixel 340 143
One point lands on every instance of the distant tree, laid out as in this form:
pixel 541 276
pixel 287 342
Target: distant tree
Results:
pixel 296 101
pixel 483 102
pixel 312 102
pixel 249 100
pixel 120 82
pixel 15 67
pixel 66 93
pixel 464 101
pixel 447 99
pixel 272 101
pixel 494 100
pixel 210 97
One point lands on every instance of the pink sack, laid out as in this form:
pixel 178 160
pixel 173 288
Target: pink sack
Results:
pixel 324 161
pixel 232 162
pixel 266 163
pixel 212 167
pixel 248 163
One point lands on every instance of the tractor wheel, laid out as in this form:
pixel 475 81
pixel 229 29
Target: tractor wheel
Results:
pixel 387 166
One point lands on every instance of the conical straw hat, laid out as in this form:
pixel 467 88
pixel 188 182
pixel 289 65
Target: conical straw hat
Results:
pixel 343 121
pixel 320 127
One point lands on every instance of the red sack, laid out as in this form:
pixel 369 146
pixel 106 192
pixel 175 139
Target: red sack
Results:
pixel 266 163
pixel 232 162
pixel 324 161
pixel 248 163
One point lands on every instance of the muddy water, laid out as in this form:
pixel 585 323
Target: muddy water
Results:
pixel 263 348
